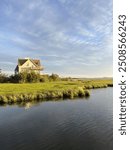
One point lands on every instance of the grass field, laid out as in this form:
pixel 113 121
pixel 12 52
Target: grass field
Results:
pixel 11 93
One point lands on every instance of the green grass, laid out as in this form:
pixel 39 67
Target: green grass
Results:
pixel 11 93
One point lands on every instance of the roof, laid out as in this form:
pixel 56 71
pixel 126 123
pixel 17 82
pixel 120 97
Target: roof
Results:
pixel 16 69
pixel 34 61
pixel 21 61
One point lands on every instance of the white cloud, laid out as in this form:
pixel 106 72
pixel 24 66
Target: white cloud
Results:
pixel 78 32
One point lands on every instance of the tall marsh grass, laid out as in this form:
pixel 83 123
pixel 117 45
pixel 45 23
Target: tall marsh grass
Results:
pixel 48 95
pixel 12 93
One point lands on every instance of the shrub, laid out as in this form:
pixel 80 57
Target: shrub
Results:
pixel 15 78
pixel 54 77
pixel 32 77
pixel 25 77
pixel 44 78
pixel 3 78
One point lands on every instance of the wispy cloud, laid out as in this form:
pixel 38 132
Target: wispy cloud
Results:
pixel 69 36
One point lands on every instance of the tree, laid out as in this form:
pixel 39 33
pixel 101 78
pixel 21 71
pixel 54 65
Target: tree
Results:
pixel 54 77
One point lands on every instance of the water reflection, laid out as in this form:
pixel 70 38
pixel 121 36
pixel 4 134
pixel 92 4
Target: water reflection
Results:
pixel 79 124
pixel 28 105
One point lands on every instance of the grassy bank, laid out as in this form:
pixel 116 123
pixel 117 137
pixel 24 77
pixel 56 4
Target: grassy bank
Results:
pixel 11 93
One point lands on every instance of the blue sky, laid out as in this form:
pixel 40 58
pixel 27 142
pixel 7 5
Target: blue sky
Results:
pixel 70 37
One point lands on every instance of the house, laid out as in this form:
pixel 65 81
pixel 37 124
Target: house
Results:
pixel 28 65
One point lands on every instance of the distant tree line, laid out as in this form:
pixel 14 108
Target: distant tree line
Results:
pixel 31 77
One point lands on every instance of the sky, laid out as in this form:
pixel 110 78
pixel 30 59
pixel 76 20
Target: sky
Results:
pixel 70 37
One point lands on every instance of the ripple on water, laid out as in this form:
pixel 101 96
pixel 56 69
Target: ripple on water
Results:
pixel 65 125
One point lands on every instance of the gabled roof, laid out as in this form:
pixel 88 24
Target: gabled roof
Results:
pixel 34 61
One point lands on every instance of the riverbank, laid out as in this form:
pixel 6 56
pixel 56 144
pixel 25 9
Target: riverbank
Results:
pixel 12 93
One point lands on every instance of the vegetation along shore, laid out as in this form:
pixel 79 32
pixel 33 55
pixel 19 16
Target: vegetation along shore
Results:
pixel 50 90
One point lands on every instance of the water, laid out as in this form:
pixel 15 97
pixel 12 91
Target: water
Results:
pixel 81 124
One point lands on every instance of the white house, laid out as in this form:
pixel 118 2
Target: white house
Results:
pixel 28 65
